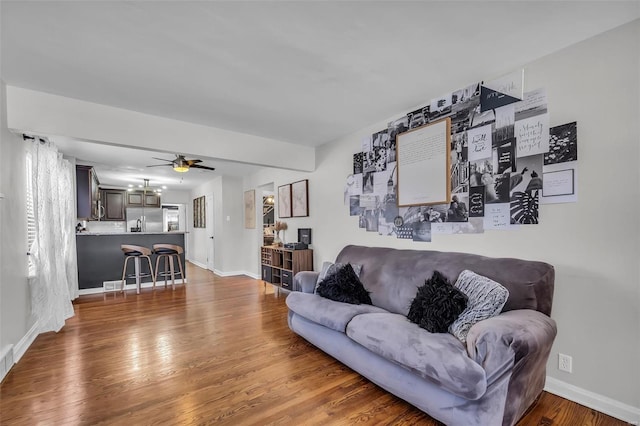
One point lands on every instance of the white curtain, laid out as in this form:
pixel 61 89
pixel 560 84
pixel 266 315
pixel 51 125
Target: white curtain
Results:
pixel 54 282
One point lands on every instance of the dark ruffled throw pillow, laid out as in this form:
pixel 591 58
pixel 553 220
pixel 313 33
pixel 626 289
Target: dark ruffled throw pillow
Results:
pixel 437 304
pixel 344 286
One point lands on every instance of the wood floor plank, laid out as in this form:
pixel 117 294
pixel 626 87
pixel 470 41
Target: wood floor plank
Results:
pixel 217 350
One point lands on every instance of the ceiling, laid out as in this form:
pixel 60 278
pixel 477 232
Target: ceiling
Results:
pixel 305 72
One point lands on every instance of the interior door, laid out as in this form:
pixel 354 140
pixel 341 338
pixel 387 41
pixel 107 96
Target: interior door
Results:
pixel 210 218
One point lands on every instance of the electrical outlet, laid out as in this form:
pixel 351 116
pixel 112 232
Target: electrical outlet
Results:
pixel 565 363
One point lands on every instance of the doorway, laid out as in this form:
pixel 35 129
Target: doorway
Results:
pixel 210 227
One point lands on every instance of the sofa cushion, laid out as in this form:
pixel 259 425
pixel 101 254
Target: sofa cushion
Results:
pixel 329 268
pixel 486 300
pixel 437 304
pixel 334 315
pixel 344 286
pixel 392 275
pixel 438 357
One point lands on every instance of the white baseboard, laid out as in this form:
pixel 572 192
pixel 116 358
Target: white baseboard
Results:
pixel 224 273
pixel 254 276
pixel 195 262
pixel 24 343
pixel 232 273
pixel 116 286
pixel 593 400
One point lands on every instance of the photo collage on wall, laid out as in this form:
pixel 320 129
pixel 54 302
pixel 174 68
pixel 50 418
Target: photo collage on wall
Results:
pixel 502 152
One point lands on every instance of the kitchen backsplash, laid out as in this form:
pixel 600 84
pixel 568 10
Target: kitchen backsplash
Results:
pixel 106 226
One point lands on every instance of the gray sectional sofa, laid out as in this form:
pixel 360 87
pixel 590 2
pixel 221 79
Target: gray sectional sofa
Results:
pixel 491 380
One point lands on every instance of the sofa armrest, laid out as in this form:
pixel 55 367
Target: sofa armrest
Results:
pixel 514 345
pixel 305 281
pixel 524 332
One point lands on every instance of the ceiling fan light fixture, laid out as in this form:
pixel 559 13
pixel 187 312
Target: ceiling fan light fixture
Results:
pixel 181 166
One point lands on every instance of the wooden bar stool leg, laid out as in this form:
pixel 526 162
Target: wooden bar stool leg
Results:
pixel 124 273
pixel 173 275
pixel 153 277
pixel 166 269
pixel 181 270
pixel 156 274
pixel 137 268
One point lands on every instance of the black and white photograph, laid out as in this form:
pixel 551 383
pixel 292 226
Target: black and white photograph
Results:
pixel 524 208
pixel 368 161
pixel 397 127
pixel 458 210
pixel 481 118
pixel 371 218
pixel 477 170
pixel 380 138
pixel 419 117
pixel 496 188
pixel 413 214
pixel 440 107
pixel 367 183
pixel 506 156
pixel 461 114
pixel 354 205
pixel 527 176
pixel 525 189
pixel 504 126
pixel 459 147
pixel 533 103
pixel 422 231
pixel 380 158
pixel 563 144
pixel 436 213
pixel 476 201
pixel 460 177
pixel 357 163
pixel 404 232
pixel 465 94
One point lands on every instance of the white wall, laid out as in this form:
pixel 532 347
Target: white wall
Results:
pixel 15 311
pixel 170 196
pixel 593 244
pixel 227 228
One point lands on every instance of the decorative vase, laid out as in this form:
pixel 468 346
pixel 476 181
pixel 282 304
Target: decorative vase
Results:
pixel 276 239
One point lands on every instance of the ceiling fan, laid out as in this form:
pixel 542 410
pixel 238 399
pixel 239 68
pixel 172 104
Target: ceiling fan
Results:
pixel 181 164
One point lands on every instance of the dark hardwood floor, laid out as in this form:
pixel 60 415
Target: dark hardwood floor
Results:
pixel 217 350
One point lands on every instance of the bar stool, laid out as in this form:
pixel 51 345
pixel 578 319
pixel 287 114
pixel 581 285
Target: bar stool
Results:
pixel 136 252
pixel 168 251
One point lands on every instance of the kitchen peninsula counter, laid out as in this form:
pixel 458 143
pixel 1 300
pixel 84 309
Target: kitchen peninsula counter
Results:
pixel 101 259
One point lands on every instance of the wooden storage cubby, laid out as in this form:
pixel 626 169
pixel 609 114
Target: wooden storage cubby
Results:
pixel 280 265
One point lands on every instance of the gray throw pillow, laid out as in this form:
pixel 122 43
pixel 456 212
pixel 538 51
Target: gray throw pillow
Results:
pixel 329 268
pixel 486 298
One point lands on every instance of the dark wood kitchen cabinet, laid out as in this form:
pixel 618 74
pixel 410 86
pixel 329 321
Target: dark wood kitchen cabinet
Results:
pixel 143 199
pixel 113 201
pixel 87 191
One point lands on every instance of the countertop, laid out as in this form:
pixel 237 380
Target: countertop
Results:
pixel 131 233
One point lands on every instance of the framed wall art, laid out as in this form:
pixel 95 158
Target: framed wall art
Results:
pixel 199 213
pixel 250 209
pixel 284 200
pixel 424 164
pixel 300 198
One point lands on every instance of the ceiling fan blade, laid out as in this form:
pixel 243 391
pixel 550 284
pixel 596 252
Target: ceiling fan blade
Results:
pixel 192 162
pixel 203 167
pixel 163 159
pixel 158 165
